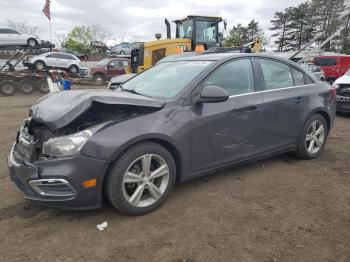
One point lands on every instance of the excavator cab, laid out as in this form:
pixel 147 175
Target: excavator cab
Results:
pixel 193 33
pixel 202 30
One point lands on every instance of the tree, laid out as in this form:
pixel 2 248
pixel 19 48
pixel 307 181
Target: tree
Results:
pixel 100 32
pixel 280 24
pixel 328 15
pixel 296 26
pixel 301 27
pixel 23 27
pixel 241 35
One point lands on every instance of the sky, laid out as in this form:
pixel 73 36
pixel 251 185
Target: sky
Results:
pixel 136 18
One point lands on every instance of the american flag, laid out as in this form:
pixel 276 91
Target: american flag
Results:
pixel 46 9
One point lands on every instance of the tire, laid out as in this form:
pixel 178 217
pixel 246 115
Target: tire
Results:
pixel 74 69
pixel 100 78
pixel 39 65
pixel 154 192
pixel 31 42
pixel 122 53
pixel 26 86
pixel 7 88
pixel 43 86
pixel 309 136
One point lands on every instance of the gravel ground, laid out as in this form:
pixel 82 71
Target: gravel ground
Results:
pixel 280 209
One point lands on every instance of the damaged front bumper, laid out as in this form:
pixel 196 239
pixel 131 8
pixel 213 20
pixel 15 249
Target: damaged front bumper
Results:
pixel 343 103
pixel 59 182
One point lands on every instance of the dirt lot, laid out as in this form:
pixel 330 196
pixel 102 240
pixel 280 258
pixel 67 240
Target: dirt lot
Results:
pixel 281 209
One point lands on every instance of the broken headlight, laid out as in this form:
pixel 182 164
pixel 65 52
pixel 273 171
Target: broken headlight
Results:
pixel 68 145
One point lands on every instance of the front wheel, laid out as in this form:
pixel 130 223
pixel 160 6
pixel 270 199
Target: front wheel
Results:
pixel 313 138
pixel 39 65
pixel 99 79
pixel 74 69
pixel 141 179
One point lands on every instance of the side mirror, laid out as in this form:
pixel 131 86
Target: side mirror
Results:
pixel 211 94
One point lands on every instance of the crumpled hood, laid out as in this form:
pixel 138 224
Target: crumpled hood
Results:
pixel 59 109
pixel 345 80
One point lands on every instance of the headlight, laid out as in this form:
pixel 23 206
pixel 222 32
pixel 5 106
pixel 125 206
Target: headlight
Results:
pixel 69 145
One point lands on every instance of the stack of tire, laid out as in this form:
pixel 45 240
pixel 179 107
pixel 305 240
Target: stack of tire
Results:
pixel 26 86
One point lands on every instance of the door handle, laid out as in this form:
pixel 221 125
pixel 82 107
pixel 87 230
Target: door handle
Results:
pixel 299 100
pixel 252 109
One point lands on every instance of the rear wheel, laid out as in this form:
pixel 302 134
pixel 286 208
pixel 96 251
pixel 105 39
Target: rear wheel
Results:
pixel 32 42
pixel 26 86
pixel 43 86
pixel 313 138
pixel 7 88
pixel 141 179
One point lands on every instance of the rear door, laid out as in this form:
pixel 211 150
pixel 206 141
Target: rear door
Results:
pixel 229 131
pixel 284 98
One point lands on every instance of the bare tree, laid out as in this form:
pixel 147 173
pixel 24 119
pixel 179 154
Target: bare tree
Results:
pixel 100 32
pixel 61 38
pixel 23 27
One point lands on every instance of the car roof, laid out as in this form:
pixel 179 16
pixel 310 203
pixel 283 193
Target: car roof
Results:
pixel 226 56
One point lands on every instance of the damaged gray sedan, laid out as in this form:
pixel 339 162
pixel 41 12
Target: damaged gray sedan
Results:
pixel 176 121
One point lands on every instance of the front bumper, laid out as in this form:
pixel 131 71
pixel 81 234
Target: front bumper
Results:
pixel 343 103
pixel 61 174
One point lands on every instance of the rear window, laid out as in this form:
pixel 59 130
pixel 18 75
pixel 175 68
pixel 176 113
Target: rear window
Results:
pixel 325 61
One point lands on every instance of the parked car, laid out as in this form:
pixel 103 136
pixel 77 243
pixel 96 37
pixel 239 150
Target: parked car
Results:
pixel 60 60
pixel 333 66
pixel 175 121
pixel 342 85
pixel 121 49
pixel 315 70
pixel 117 81
pixel 75 53
pixel 108 68
pixel 10 37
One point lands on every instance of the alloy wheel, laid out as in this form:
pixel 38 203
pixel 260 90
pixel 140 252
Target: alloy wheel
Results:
pixel 32 43
pixel 315 137
pixel 39 66
pixel 145 180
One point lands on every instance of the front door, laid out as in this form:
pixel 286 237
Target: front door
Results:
pixel 229 131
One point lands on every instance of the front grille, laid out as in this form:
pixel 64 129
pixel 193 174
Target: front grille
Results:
pixel 344 90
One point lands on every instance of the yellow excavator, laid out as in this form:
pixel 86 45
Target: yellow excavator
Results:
pixel 193 33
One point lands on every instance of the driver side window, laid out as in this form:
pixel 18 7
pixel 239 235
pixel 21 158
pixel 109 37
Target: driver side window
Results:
pixel 236 77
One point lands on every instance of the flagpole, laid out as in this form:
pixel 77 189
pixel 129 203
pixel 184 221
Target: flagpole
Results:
pixel 50 30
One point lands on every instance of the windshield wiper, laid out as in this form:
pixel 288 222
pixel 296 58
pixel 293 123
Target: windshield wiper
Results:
pixel 133 91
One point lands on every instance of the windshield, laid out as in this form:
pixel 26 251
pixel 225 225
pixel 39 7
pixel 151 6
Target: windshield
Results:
pixel 103 62
pixel 166 79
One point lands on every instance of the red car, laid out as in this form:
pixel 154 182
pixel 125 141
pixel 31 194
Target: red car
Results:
pixel 333 66
pixel 109 67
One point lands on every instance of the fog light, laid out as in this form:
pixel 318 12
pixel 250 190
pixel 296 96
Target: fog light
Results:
pixel 52 187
